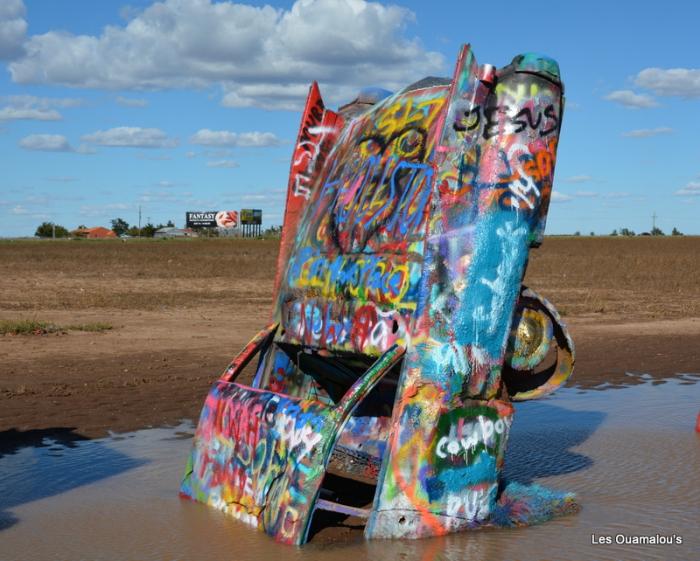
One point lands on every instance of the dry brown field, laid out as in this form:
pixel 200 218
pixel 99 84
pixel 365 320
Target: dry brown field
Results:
pixel 180 309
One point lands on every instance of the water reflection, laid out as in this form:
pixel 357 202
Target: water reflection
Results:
pixel 37 464
pixel 542 439
pixel 619 380
pixel 630 454
pixel 34 473
pixel 13 440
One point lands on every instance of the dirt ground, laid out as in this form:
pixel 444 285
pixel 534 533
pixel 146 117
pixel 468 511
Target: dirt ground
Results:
pixel 181 309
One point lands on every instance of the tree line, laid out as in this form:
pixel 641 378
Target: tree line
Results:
pixel 119 226
pixel 655 231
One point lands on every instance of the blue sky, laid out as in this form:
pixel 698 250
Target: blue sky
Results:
pixel 194 105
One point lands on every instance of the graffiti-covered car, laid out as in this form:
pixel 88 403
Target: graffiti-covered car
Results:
pixel 401 332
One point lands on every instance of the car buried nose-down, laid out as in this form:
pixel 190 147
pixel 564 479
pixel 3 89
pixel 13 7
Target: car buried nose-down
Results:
pixel 401 332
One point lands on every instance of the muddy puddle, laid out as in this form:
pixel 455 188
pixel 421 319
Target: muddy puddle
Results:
pixel 630 452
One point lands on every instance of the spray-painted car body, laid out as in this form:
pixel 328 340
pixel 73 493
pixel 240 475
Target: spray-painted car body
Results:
pixel 401 332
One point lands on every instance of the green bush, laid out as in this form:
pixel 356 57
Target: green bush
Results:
pixel 48 229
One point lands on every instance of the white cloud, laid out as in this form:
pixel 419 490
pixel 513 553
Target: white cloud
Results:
pixel 20 210
pixel 261 56
pixel 131 137
pixel 271 200
pixel 692 189
pixel 17 113
pixel 631 100
pixel 222 164
pixel 646 133
pixel 131 101
pixel 34 108
pixel 46 143
pixel 284 96
pixel 218 153
pixel 683 82
pixel 86 149
pixel 290 96
pixel 62 179
pixel 160 196
pixel 558 197
pixel 616 195
pixel 13 28
pixel 41 200
pixel 207 137
pixel 578 179
pixel 153 157
pixel 26 100
pixel 103 210
pixel 128 12
pixel 586 194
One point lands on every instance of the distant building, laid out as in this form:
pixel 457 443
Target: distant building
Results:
pixel 171 232
pixel 98 232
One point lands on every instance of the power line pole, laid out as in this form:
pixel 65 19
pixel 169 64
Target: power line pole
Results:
pixel 653 219
pixel 139 221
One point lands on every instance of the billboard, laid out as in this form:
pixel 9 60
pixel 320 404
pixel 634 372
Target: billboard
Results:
pixel 212 219
pixel 251 216
pixel 227 219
